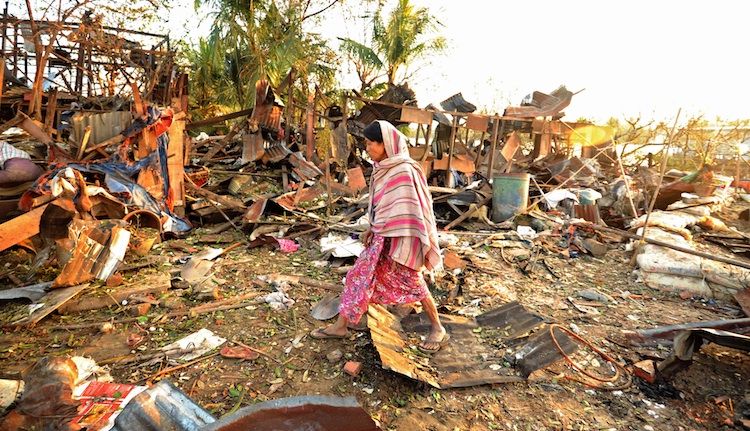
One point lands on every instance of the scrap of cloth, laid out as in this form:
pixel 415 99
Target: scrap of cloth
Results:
pixel 401 205
pixel 8 151
pixel 376 278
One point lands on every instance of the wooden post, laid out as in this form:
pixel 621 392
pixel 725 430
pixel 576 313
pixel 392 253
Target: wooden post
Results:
pixel 84 142
pixel 737 178
pixel 49 116
pixel 428 145
pixel 175 166
pixel 493 148
pixel 310 134
pixel 289 108
pixel 2 72
pixel 451 147
pixel 328 174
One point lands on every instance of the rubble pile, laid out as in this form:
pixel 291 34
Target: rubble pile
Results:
pixel 137 185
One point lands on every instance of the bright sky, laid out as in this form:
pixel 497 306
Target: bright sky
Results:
pixel 636 58
pixel 646 58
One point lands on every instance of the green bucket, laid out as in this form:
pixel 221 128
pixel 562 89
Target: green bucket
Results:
pixel 510 193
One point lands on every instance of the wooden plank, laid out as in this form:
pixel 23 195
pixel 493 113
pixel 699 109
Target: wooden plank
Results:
pixel 510 147
pixel 175 168
pixel 20 228
pixel 49 116
pixel 460 162
pixel 220 118
pixel 477 122
pixel 416 115
pixel 52 301
pixel 158 283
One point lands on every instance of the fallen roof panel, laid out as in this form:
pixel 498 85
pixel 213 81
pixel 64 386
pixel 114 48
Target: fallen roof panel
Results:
pixel 476 353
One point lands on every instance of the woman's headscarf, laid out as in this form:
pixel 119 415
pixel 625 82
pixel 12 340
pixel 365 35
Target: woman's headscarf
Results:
pixel 401 203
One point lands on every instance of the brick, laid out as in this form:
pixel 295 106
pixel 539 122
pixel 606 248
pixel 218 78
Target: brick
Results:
pixel 645 370
pixel 353 368
pixel 114 280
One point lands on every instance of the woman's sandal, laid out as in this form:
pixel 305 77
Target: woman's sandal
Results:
pixel 319 334
pixel 440 344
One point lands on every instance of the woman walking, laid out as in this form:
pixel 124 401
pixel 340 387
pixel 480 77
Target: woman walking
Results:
pixel 401 240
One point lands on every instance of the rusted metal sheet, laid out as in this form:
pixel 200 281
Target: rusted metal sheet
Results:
pixel 460 162
pixel 541 350
pixel 266 113
pixel 304 169
pixel 476 352
pixel 255 212
pixel 20 228
pixel 457 103
pixel 511 146
pixel 688 342
pixel 49 303
pixel 302 199
pixel 588 212
pixel 252 147
pixel 743 298
pixel 439 116
pixel 373 110
pixel 539 104
pixel 477 122
pixel 357 179
pixel 276 153
pixel 341 149
pixel 388 337
pixel 313 412
pixel 103 126
pixel 665 334
pixel 164 407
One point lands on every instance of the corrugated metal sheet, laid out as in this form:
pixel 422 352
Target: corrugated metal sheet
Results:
pixel 103 126
pixel 398 94
pixel 160 408
pixel 542 105
pixel 477 351
pixel 439 116
pixel 457 103
pixel 277 152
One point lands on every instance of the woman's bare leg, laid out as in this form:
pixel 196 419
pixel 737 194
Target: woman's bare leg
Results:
pixel 337 328
pixel 437 331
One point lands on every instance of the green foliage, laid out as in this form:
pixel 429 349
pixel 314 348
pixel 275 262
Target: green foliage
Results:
pixel 405 38
pixel 251 41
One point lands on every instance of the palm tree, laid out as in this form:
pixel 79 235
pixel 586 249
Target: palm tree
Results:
pixel 259 40
pixel 404 39
pixel 401 41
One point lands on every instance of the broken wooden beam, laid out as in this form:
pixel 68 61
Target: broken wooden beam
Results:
pixel 212 196
pixel 220 118
pixel 20 228
pixel 468 213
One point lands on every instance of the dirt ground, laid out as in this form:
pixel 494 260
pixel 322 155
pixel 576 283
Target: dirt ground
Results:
pixel 712 394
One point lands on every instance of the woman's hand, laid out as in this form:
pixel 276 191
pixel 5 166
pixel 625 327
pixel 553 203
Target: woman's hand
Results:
pixel 366 237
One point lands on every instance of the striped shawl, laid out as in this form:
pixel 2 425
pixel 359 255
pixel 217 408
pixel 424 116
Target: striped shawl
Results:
pixel 401 205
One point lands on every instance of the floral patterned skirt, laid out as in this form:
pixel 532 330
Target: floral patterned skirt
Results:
pixel 376 278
